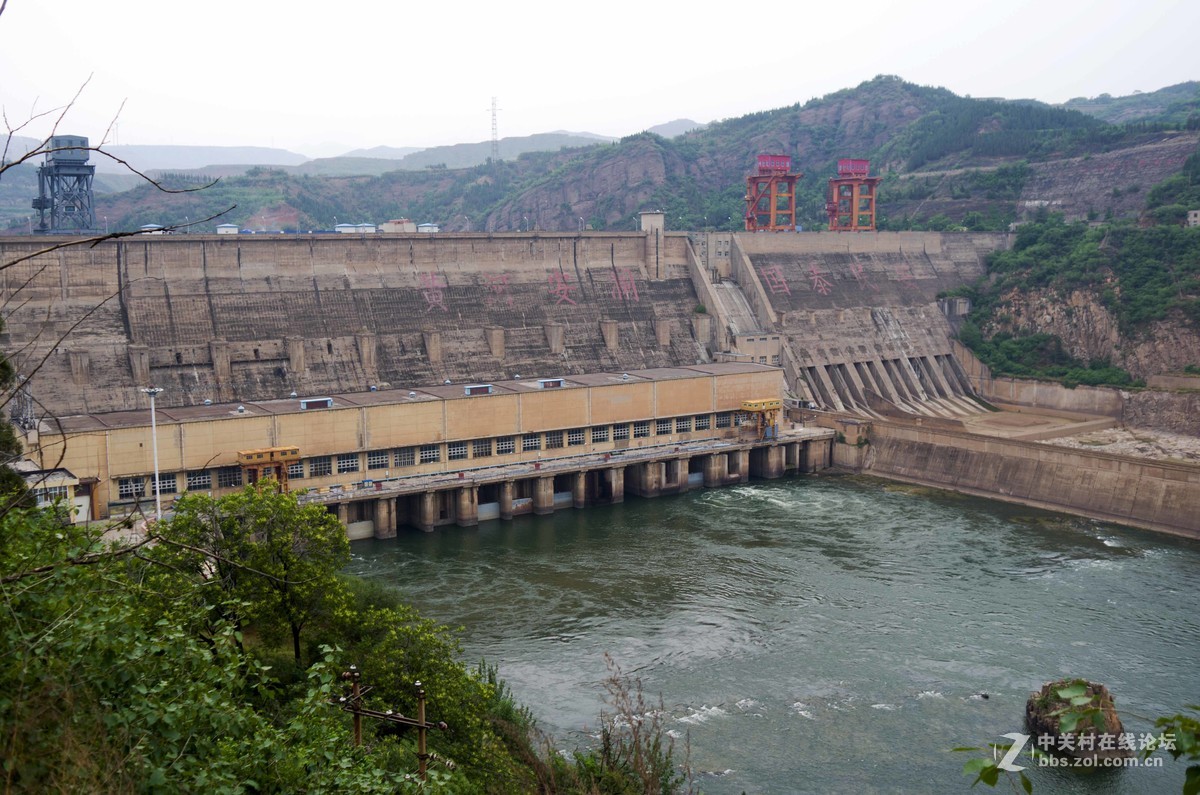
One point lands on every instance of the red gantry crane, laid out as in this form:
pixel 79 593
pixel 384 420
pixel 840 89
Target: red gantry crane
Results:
pixel 771 195
pixel 851 205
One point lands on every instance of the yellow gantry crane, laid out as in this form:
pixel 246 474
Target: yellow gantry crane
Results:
pixel 765 415
pixel 268 462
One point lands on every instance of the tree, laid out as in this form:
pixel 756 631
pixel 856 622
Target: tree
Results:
pixel 264 550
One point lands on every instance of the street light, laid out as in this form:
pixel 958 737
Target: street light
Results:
pixel 106 224
pixel 153 392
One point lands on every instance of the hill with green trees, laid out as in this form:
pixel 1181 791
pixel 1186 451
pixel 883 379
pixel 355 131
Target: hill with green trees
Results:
pixel 1173 104
pixel 1095 303
pixel 948 162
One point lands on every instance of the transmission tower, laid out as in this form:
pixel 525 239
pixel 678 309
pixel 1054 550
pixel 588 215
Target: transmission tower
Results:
pixel 495 134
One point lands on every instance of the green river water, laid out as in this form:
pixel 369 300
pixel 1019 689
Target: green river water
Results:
pixel 819 634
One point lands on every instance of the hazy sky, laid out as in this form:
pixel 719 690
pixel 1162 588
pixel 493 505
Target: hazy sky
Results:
pixel 322 78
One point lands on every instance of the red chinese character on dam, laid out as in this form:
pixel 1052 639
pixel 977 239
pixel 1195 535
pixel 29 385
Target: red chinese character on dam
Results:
pixel 561 287
pixel 432 291
pixel 819 282
pixel 498 293
pixel 775 280
pixel 860 274
pixel 904 274
pixel 624 287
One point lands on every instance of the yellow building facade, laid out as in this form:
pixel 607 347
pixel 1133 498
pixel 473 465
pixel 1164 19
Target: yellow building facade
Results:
pixel 405 441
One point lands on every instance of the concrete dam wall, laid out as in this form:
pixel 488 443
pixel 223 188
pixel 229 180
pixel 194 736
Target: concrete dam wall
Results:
pixel 1156 495
pixel 256 317
pixel 861 316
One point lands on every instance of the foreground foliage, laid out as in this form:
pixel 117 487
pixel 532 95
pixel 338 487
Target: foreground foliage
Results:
pixel 207 659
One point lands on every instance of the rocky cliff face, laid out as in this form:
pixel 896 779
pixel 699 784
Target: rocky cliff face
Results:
pixel 1107 183
pixel 1089 331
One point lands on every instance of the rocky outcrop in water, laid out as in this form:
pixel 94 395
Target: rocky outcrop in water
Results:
pixel 1095 735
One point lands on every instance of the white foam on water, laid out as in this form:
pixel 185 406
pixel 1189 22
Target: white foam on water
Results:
pixel 747 703
pixel 929 694
pixel 702 714
pixel 802 710
pixel 886 707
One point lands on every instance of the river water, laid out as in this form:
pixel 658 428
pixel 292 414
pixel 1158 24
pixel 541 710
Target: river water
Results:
pixel 819 634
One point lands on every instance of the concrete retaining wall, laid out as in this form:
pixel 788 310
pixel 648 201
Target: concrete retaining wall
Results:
pixel 1153 495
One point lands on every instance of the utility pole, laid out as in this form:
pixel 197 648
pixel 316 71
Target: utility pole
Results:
pixel 153 391
pixel 353 704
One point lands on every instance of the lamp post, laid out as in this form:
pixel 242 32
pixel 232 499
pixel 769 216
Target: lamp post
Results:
pixel 153 391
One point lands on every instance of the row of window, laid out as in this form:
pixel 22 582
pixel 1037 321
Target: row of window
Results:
pixel 343 463
pixel 48 495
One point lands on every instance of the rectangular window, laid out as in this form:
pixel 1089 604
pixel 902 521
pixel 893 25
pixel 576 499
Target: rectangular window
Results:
pixel 131 488
pixel 662 427
pixel 724 420
pixel 320 467
pixel 620 431
pixel 481 448
pixel 199 481
pixel 775 359
pixel 600 434
pixel 554 440
pixel 167 483
pixel 431 453
pixel 378 459
pixel 347 462
pixel 641 429
pixel 531 441
pixel 406 456
pixel 229 477
pixel 50 494
pixel 296 471
pixel 702 422
pixel 506 445
pixel 683 424
pixel 575 437
pixel 457 451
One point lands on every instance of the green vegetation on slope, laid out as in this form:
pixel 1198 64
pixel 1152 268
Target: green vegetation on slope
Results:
pixel 208 660
pixel 985 128
pixel 1139 274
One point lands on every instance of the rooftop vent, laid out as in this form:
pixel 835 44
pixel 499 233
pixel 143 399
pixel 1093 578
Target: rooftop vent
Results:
pixel 549 383
pixel 477 389
pixel 316 403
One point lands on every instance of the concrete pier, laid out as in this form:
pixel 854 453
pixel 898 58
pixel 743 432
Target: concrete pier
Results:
pixel 430 502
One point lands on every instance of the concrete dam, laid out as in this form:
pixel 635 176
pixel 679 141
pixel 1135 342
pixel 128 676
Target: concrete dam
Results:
pixel 851 318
